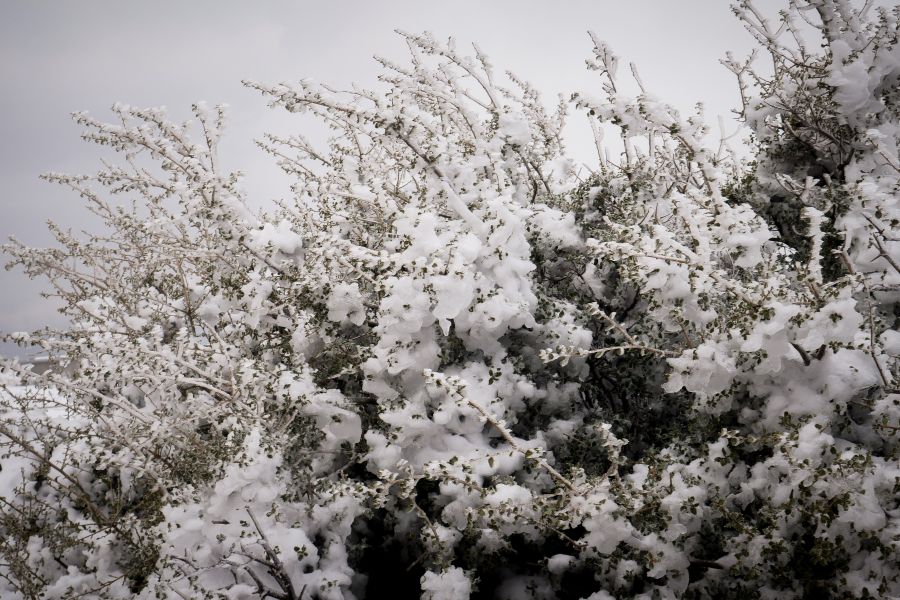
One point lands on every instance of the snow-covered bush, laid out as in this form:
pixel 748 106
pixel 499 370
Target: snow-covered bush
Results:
pixel 452 366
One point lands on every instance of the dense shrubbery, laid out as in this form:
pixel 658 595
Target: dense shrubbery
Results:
pixel 453 367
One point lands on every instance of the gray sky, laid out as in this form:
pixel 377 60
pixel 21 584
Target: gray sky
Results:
pixel 59 57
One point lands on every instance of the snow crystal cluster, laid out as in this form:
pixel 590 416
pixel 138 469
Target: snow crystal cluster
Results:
pixel 453 365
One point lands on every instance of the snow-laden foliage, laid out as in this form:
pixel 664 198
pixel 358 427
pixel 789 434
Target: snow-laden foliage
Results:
pixel 453 365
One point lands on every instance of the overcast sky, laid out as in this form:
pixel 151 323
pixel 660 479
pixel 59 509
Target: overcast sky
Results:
pixel 59 57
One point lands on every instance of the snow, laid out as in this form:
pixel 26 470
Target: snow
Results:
pixel 449 340
pixel 450 584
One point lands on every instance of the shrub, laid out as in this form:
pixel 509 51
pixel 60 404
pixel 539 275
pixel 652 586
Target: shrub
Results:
pixel 452 366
